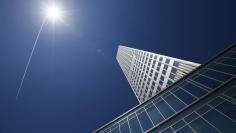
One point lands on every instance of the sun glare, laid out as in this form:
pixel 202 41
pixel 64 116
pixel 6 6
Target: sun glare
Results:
pixel 53 12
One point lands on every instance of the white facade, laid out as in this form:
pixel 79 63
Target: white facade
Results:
pixel 149 73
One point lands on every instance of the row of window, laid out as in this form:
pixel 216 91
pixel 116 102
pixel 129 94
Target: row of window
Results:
pixel 138 86
pixel 218 115
pixel 179 96
pixel 203 80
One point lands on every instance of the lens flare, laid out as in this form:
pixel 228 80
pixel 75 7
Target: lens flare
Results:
pixel 53 12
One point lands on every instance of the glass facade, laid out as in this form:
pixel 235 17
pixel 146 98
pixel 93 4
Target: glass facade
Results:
pixel 203 101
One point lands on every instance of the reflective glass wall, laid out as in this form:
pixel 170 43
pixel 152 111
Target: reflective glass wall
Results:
pixel 181 96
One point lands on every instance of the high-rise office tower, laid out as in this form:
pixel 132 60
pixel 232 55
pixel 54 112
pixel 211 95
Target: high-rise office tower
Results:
pixel 149 73
pixel 203 101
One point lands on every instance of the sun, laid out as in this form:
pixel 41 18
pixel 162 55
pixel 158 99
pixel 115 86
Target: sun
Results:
pixel 53 12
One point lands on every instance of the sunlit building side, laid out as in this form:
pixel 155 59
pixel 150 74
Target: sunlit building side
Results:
pixel 149 73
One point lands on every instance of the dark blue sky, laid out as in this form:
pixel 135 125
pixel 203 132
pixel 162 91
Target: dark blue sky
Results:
pixel 74 83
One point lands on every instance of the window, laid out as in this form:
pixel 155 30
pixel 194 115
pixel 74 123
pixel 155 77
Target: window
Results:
pixel 167 61
pixel 184 96
pixel 176 64
pixel 144 121
pixel 154 62
pixel 221 122
pixel 172 76
pixel 217 75
pixel 155 57
pixel 160 59
pixel 151 72
pixel 168 130
pixel 224 68
pixel 196 91
pixel 173 70
pixel 150 94
pixel 164 71
pixel 201 126
pixel 191 117
pixel 114 126
pixel 174 102
pixel 216 101
pixel 178 125
pixel 228 109
pixel 155 78
pixel 185 129
pixel 203 109
pixel 153 83
pixel 231 92
pixel 158 88
pixel 229 61
pixel 165 67
pixel 164 108
pixel 154 114
pixel 169 82
pixel 162 78
pixel 116 130
pixel 107 130
pixel 160 82
pixel 152 87
pixel 207 82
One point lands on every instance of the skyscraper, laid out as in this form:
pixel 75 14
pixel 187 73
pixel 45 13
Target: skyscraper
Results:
pixel 149 73
pixel 203 101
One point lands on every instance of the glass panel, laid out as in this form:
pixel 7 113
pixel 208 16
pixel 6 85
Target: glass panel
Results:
pixel 185 129
pixel 168 130
pixel 221 122
pixel 140 110
pixel 228 109
pixel 229 61
pixel 134 125
pixel 201 126
pixel 196 91
pixel 172 76
pixel 114 126
pixel 233 55
pixel 216 101
pixel 131 116
pixel 164 109
pixel 207 82
pixel 174 70
pixel 155 115
pixel 231 92
pixel 203 109
pixel 191 117
pixel 230 54
pixel 107 131
pixel 175 103
pixel 178 125
pixel 145 121
pixel 166 94
pixel 123 121
pixel 217 75
pixel 124 128
pixel 224 68
pixel 116 130
pixel 185 97
pixel 176 64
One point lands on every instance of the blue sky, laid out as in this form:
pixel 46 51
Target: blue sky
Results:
pixel 74 83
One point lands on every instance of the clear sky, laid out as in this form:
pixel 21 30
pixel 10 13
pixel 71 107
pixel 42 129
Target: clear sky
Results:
pixel 74 83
